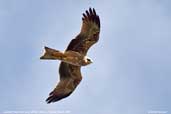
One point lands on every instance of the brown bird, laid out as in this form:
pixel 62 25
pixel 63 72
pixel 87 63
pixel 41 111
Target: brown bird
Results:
pixel 74 56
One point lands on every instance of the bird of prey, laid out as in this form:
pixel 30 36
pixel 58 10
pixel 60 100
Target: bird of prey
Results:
pixel 74 57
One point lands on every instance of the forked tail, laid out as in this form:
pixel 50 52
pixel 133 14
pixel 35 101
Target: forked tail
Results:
pixel 52 54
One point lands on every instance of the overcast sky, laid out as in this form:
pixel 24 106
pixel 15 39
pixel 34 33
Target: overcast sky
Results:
pixel 131 73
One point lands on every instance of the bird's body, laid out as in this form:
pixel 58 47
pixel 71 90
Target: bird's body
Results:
pixel 70 57
pixel 74 57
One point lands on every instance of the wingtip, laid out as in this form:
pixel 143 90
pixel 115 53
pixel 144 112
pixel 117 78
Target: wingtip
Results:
pixel 90 8
pixel 56 97
pixel 90 15
pixel 48 100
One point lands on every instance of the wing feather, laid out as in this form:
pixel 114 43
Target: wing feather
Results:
pixel 67 84
pixel 89 34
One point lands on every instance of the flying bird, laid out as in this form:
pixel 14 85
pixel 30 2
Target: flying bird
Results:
pixel 74 57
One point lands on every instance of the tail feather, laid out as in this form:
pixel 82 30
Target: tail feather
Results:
pixel 52 54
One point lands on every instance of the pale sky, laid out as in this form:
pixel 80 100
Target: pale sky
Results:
pixel 131 72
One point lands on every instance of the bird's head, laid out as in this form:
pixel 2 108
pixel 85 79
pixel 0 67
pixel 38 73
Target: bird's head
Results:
pixel 87 60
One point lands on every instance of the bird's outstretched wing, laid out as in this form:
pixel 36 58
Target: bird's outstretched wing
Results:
pixel 68 82
pixel 70 75
pixel 89 34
